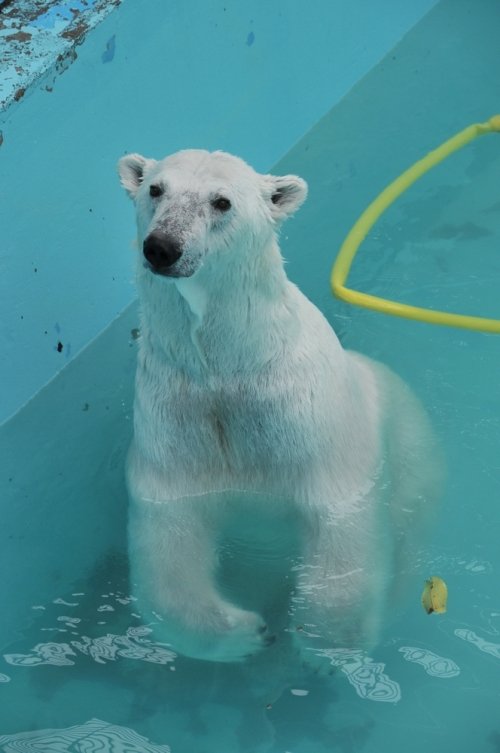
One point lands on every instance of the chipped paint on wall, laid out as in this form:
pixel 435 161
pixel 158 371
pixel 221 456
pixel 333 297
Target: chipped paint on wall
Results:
pixel 39 36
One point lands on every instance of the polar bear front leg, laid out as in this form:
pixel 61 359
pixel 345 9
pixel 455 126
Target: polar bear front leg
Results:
pixel 341 583
pixel 174 558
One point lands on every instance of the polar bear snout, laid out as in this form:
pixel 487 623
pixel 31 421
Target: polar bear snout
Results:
pixel 161 252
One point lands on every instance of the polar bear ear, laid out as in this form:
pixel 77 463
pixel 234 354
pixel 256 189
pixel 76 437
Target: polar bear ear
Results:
pixel 285 194
pixel 131 169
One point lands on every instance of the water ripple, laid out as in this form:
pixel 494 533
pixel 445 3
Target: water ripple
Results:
pixel 434 665
pixel 43 653
pixel 97 736
pixel 493 649
pixel 366 676
pixel 132 645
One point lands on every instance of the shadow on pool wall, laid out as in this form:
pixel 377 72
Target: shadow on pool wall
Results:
pixel 63 498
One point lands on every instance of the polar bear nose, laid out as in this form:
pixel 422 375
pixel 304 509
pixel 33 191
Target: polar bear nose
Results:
pixel 161 251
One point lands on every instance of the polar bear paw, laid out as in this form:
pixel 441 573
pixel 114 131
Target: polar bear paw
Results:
pixel 242 635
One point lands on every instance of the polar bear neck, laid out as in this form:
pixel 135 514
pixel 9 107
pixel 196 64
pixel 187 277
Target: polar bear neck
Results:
pixel 220 320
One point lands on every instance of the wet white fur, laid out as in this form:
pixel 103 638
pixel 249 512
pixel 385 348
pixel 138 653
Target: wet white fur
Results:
pixel 244 394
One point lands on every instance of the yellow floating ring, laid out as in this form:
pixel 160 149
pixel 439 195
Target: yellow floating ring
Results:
pixel 372 213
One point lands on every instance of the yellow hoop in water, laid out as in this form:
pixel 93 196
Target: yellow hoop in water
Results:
pixel 370 216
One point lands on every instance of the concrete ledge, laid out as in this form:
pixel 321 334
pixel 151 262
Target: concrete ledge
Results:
pixel 38 38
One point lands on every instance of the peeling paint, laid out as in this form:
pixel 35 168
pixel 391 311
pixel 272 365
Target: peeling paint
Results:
pixel 38 39
pixel 19 36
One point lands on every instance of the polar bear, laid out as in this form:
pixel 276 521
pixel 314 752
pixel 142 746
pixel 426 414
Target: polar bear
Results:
pixel 259 442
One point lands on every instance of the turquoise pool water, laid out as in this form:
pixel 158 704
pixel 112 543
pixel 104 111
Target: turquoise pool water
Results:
pixel 81 668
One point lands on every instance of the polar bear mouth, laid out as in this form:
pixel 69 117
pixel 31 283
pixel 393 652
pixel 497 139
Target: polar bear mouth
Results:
pixel 173 271
pixel 160 271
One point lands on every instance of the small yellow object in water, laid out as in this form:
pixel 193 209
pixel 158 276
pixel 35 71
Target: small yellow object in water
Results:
pixel 435 595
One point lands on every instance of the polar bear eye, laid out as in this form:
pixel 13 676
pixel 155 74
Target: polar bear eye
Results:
pixel 155 190
pixel 221 204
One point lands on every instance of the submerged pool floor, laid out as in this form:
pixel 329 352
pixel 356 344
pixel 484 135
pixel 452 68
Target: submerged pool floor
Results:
pixel 83 667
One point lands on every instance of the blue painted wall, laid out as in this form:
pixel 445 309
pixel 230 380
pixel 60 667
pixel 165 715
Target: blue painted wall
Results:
pixel 153 77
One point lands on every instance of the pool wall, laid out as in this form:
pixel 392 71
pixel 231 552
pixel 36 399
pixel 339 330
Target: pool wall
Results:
pixel 67 253
pixel 153 77
pixel 63 502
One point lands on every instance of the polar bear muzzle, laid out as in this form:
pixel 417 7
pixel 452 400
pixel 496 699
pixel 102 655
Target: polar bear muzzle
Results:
pixel 161 252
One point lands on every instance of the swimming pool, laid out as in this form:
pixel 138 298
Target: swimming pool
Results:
pixel 73 650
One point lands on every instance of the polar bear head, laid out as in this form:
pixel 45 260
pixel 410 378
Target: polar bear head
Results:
pixel 196 208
